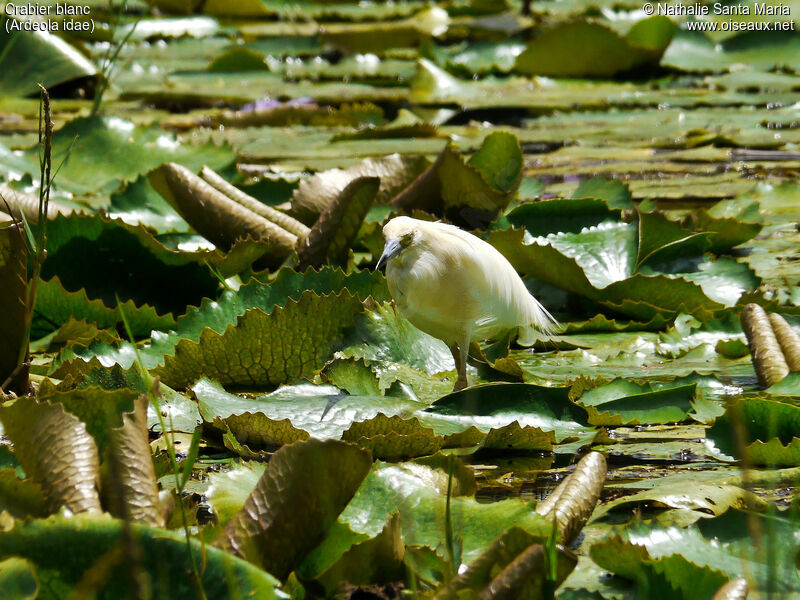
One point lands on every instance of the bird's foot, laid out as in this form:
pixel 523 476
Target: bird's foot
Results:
pixel 461 383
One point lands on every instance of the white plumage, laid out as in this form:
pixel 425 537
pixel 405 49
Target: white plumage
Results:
pixel 456 287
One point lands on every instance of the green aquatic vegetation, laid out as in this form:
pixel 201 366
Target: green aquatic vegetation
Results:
pixel 639 176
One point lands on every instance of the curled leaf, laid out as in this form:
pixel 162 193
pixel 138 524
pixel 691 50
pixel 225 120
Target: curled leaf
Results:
pixel 129 477
pixel 291 225
pixel 469 192
pixel 735 589
pixel 20 203
pixel 336 228
pixel 55 449
pixel 768 359
pixel 788 340
pixel 305 487
pixel 215 216
pixel 572 502
pixel 316 193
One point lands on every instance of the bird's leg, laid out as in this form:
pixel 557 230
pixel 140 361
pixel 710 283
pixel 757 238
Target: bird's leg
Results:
pixel 460 356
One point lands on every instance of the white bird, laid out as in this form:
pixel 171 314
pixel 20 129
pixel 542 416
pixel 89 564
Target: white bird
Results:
pixel 456 287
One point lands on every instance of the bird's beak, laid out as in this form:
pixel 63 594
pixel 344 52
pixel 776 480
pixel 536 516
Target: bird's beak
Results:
pixel 391 249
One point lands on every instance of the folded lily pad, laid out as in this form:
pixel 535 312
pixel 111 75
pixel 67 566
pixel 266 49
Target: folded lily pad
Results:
pixel 469 192
pixel 625 403
pixel 56 450
pixel 599 263
pixel 323 476
pixel 85 252
pixel 30 57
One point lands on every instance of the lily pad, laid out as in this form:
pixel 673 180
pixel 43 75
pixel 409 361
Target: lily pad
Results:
pixel 768 427
pixel 224 576
pixel 592 49
pixel 100 153
pixel 31 57
pixel 265 349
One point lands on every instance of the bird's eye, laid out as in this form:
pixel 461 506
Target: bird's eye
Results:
pixel 406 239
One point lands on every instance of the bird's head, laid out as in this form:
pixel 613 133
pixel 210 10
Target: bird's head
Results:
pixel 399 234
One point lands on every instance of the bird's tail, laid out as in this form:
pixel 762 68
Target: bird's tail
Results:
pixel 540 324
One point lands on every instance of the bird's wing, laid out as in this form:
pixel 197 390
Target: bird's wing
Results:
pixel 505 302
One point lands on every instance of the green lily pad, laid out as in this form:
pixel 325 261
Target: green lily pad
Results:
pixel 323 412
pixel 695 52
pixel 223 311
pixel 671 576
pixel 139 203
pixel 56 305
pixel 100 153
pixel 709 499
pixel 84 252
pixel 418 493
pixel 164 558
pixel 29 58
pixel 384 335
pixel 625 403
pixel 600 263
pixel 592 49
pixel 769 427
pixel 494 406
pixel 265 348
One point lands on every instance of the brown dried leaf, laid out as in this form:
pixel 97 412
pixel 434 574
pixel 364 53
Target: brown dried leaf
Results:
pixel 129 477
pixel 316 193
pixel 425 192
pixel 523 577
pixel 788 340
pixel 55 449
pixel 21 203
pixel 215 216
pixel 305 487
pixel 572 502
pixel 768 359
pixel 334 232
pixel 283 220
